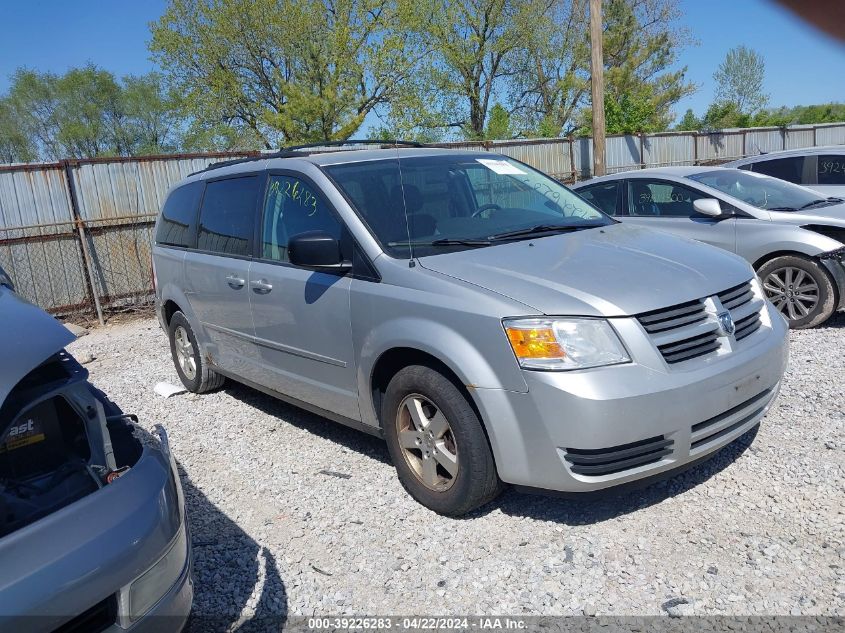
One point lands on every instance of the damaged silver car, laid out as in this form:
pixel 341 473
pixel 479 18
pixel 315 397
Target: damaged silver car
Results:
pixel 93 535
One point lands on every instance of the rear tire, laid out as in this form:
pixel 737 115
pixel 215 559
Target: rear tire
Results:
pixel 191 367
pixel 437 442
pixel 800 288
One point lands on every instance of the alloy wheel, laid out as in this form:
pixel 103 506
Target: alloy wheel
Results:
pixel 427 442
pixel 794 292
pixel 185 353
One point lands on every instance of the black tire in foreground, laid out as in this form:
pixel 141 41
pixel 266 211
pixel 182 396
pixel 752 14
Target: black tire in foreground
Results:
pixel 437 442
pixel 192 369
pixel 800 288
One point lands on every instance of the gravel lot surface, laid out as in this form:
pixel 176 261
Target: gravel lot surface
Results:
pixel 291 513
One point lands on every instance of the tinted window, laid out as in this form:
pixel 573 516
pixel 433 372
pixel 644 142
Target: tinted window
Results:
pixel 789 169
pixel 661 199
pixel 293 207
pixel 179 215
pixel 831 169
pixel 227 216
pixel 602 196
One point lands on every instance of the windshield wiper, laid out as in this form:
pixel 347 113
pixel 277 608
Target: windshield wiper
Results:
pixel 814 203
pixel 541 228
pixel 446 241
pixel 780 209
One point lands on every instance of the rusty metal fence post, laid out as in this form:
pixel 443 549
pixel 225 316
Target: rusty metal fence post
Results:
pixel 91 282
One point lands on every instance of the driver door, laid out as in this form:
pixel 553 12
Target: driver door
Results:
pixel 668 206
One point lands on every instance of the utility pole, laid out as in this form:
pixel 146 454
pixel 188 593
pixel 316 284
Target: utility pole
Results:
pixel 597 81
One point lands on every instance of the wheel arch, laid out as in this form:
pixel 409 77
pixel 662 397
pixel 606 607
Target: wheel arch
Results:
pixel 394 359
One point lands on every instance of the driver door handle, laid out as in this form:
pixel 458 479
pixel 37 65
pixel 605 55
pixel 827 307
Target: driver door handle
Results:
pixel 261 286
pixel 235 282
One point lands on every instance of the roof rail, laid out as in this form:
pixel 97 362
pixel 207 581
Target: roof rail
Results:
pixel 297 150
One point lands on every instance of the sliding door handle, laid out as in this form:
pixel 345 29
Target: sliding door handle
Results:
pixel 261 286
pixel 235 282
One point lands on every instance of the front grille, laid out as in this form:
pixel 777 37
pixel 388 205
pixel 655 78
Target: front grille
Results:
pixel 689 330
pixel 737 296
pixel 679 316
pixel 94 620
pixel 681 332
pixel 614 459
pixel 729 421
pixel 746 326
pixel 689 348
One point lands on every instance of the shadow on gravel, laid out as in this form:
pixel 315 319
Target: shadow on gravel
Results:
pixel 228 567
pixel 352 439
pixel 579 509
pixel 837 321
pixel 602 506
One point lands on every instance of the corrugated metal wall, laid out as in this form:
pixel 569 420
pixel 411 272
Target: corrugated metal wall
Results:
pixel 117 201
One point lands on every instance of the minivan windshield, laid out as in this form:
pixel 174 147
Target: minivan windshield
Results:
pixel 427 205
pixel 763 192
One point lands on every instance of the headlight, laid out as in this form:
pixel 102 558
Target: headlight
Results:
pixel 561 344
pixel 149 588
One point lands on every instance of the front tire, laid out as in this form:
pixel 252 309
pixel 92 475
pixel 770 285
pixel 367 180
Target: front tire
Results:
pixel 800 288
pixel 437 442
pixel 191 367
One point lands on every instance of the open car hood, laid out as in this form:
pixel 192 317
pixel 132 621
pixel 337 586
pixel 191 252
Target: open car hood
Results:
pixel 28 337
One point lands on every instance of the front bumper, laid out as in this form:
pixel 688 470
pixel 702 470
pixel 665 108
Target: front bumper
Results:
pixel 558 434
pixel 89 552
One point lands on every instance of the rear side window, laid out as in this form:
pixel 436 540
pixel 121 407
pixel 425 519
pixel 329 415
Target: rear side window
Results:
pixel 831 169
pixel 177 224
pixel 602 196
pixel 227 217
pixel 789 169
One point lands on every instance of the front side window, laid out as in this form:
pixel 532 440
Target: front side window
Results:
pixel 293 207
pixel 789 169
pixel 179 215
pixel 227 216
pixel 831 169
pixel 602 196
pixel 430 204
pixel 652 198
pixel 760 191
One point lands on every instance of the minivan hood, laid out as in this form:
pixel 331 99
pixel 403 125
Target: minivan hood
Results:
pixel 28 337
pixel 616 270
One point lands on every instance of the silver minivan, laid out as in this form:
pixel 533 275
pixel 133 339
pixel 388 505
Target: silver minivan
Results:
pixel 490 324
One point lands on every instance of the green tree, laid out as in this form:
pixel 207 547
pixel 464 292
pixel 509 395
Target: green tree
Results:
pixel 724 114
pixel 153 123
pixel 16 146
pixel 87 112
pixel 471 49
pixel 641 41
pixel 498 123
pixel 281 71
pixel 689 122
pixel 740 78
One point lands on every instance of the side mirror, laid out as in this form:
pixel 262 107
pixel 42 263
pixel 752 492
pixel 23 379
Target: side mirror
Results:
pixel 709 207
pixel 318 250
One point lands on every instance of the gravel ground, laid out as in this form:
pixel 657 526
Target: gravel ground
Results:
pixel 291 513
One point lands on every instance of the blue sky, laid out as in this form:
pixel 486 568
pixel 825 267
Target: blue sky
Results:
pixel 802 65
